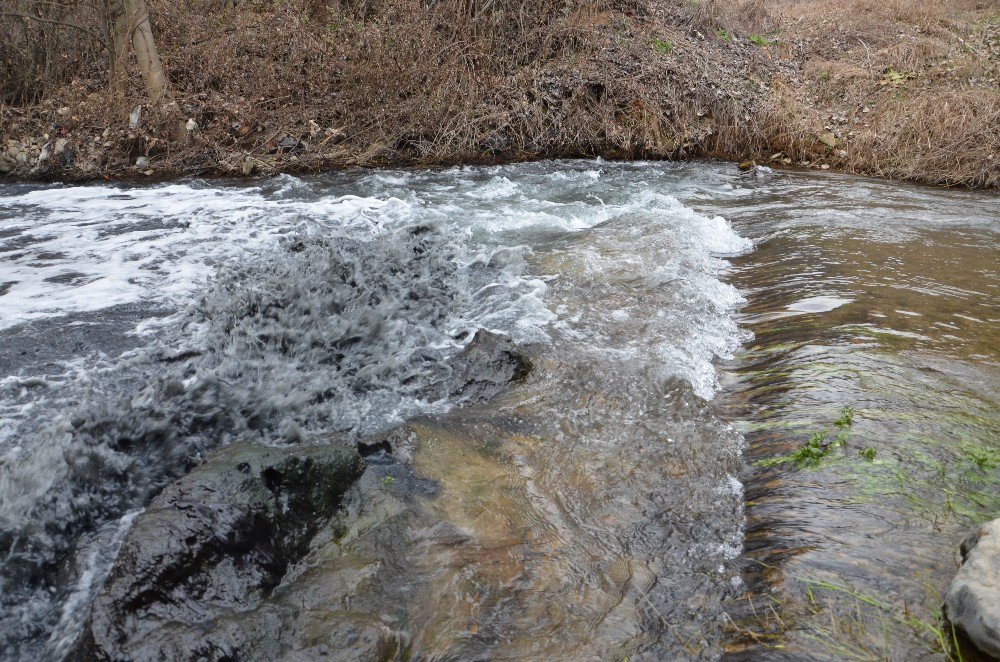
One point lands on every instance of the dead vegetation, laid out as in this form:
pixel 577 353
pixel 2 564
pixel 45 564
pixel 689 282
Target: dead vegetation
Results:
pixel 895 88
pixel 903 89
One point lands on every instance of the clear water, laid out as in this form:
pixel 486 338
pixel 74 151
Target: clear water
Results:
pixel 674 313
pixel 884 298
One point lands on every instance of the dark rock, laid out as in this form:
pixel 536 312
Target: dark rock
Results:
pixel 241 558
pixel 972 603
pixel 485 366
pixel 211 548
pixel 369 447
pixel 289 144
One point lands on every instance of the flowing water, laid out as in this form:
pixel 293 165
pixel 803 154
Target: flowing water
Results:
pixel 690 328
pixel 885 299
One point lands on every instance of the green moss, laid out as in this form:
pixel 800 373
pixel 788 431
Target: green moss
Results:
pixel 722 33
pixel 662 46
pixel 772 461
pixel 984 458
pixel 760 41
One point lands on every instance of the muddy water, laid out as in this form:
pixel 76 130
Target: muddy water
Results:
pixel 685 322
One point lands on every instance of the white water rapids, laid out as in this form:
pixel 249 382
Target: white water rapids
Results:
pixel 141 326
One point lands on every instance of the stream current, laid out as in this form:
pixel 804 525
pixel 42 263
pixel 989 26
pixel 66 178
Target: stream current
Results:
pixel 673 313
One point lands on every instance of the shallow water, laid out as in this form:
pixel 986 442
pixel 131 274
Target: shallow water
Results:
pixel 673 312
pixel 885 299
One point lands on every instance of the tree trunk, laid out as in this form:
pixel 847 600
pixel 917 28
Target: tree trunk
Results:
pixel 132 25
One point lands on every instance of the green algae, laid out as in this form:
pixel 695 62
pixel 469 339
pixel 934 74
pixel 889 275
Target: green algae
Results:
pixel 817 448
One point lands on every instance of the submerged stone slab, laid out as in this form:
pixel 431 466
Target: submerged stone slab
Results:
pixel 213 545
pixel 973 600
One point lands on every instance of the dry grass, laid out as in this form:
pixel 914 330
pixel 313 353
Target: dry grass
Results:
pixel 402 82
pixel 910 89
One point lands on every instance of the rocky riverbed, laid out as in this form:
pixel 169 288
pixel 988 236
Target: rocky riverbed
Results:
pixel 555 410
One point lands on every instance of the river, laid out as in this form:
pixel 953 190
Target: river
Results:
pixel 763 410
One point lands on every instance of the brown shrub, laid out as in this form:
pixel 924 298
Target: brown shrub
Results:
pixel 951 137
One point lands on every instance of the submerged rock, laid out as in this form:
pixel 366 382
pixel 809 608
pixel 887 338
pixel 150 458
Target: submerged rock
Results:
pixel 485 366
pixel 240 559
pixel 973 600
pixel 231 561
pixel 212 546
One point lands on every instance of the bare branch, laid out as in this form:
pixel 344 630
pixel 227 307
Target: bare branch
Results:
pixel 62 23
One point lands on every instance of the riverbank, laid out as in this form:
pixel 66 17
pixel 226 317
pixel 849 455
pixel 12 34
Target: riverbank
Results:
pixel 899 89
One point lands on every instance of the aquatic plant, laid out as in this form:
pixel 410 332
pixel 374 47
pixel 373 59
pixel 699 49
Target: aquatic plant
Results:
pixel 846 416
pixel 818 447
pixel 843 633
pixel 812 451
pixel 848 623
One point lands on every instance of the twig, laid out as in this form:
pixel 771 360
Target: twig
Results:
pixel 868 51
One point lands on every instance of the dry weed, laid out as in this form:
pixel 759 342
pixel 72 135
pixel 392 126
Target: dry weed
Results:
pixel 904 85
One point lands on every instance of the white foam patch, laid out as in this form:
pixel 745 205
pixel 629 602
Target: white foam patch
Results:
pixel 645 286
pixel 82 249
pixel 495 189
pixel 87 248
pixel 820 304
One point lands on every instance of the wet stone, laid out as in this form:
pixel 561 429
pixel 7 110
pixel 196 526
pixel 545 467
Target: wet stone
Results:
pixel 972 603
pixel 212 546
pixel 485 366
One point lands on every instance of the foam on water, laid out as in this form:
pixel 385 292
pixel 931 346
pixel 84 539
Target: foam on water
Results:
pixel 77 249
